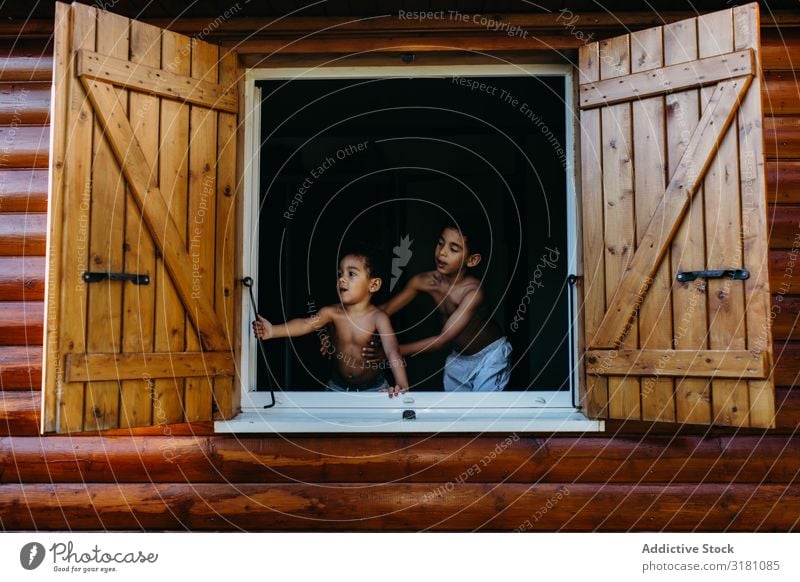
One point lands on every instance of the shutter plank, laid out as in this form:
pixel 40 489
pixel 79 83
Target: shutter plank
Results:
pixel 753 186
pixel 138 310
pixel 171 322
pixel 726 329
pixel 153 80
pixel 722 363
pixel 85 367
pixel 201 214
pixel 595 397
pixel 76 195
pixel 693 396
pixel 641 84
pixel 51 374
pixel 107 229
pixel 649 143
pixel 619 227
pixel 225 231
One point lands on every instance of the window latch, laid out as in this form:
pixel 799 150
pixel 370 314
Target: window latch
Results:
pixel 135 278
pixel 736 274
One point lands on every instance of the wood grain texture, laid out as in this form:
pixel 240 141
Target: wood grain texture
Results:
pixel 27 68
pixel 66 329
pixel 106 236
pixel 21 323
pixel 141 181
pixel 24 103
pixel 761 393
pixel 649 143
pixel 201 221
pixel 783 182
pixel 138 304
pixel 316 459
pixel 20 367
pixel 665 223
pixel 56 178
pixel 23 234
pixel 692 396
pixel 128 366
pixel 619 221
pixel 595 396
pixel 23 190
pixel 782 137
pixel 723 233
pixel 152 80
pixel 781 93
pixel 27 146
pixel 409 507
pixel 720 363
pixel 642 84
pixel 170 321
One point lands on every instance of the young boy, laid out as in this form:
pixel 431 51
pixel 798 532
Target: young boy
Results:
pixel 354 320
pixel 480 358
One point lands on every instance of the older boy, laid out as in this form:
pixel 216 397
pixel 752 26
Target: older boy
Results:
pixel 480 358
pixel 354 320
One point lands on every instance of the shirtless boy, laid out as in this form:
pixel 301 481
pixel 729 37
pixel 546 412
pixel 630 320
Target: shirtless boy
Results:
pixel 354 320
pixel 479 361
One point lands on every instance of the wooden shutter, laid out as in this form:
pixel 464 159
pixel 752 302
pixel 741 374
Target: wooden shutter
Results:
pixel 143 172
pixel 673 181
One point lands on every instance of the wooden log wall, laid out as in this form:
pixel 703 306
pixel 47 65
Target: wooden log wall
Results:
pixel 635 476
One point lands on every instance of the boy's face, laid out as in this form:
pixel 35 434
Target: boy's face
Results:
pixel 452 254
pixel 355 284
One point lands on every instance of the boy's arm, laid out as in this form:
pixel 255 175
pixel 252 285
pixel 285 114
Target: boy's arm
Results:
pixel 390 347
pixel 454 325
pixel 405 296
pixel 293 328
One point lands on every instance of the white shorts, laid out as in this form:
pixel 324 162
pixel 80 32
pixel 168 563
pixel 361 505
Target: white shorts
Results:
pixel 485 371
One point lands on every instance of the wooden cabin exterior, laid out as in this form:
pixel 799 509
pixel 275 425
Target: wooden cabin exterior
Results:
pixel 636 475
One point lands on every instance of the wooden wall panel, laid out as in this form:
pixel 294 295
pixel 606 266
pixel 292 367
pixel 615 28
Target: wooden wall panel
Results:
pixel 393 507
pixel 716 472
pixel 317 459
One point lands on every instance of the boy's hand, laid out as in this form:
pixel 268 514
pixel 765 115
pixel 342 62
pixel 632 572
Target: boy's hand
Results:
pixel 396 390
pixel 262 328
pixel 373 351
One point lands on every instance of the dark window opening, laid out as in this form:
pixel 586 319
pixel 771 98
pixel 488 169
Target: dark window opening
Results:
pixel 384 160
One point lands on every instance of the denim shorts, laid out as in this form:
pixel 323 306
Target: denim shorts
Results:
pixel 339 384
pixel 488 370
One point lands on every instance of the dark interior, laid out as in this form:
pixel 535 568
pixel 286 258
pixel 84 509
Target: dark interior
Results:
pixel 428 146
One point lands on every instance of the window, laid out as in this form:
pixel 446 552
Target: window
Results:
pixel 387 155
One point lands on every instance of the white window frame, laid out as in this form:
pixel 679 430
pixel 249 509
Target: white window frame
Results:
pixel 539 411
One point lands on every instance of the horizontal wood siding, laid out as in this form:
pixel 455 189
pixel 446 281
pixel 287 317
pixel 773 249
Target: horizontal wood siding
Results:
pixel 635 476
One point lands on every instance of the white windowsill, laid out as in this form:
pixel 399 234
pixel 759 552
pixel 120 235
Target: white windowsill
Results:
pixel 312 412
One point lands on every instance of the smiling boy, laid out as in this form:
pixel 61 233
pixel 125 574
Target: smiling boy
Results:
pixel 479 361
pixel 355 320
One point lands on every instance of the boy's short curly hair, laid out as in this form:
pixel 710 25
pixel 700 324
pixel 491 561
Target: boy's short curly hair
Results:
pixel 372 255
pixel 472 227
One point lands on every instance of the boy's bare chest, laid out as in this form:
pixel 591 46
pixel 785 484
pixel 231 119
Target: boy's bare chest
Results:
pixel 447 299
pixel 354 330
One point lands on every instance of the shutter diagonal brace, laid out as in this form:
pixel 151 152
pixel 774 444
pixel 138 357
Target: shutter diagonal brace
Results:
pixel 685 182
pixel 148 196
